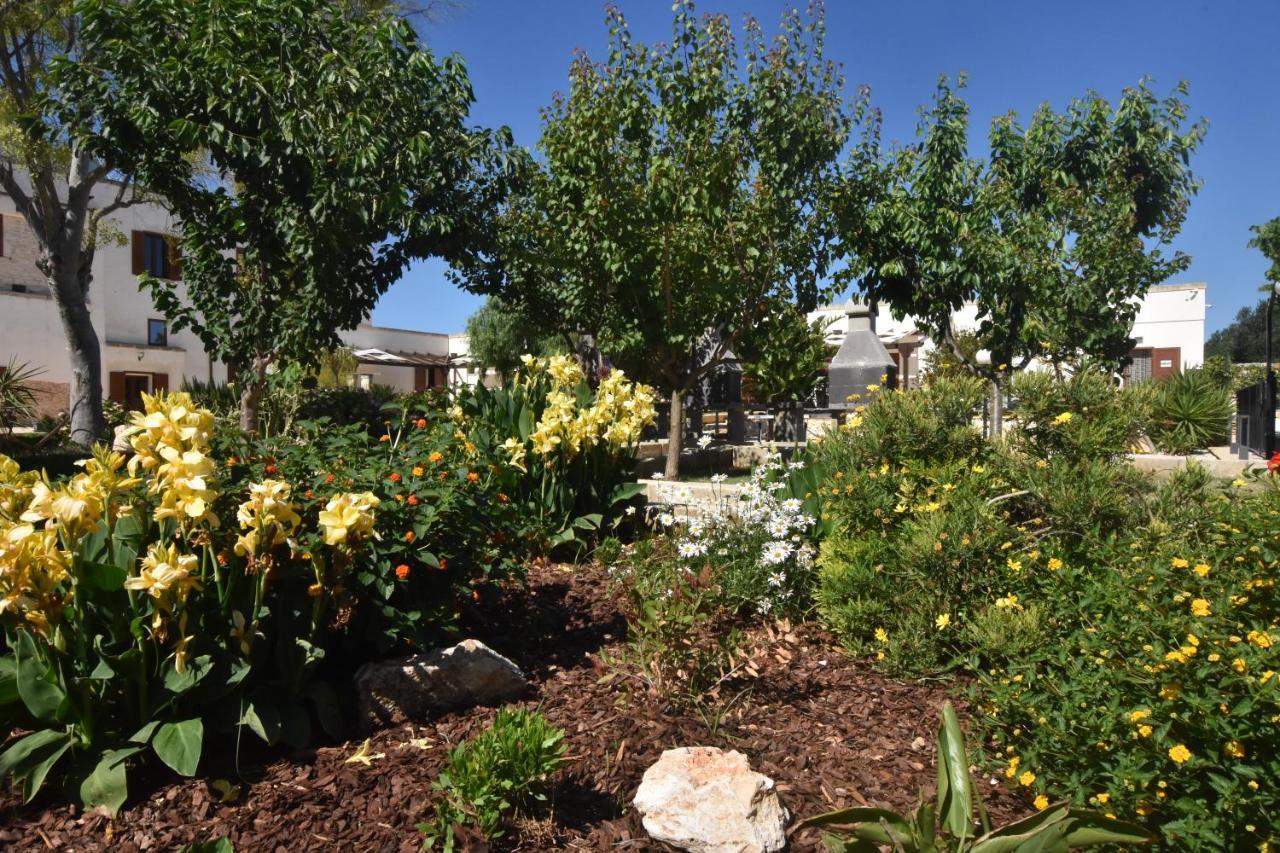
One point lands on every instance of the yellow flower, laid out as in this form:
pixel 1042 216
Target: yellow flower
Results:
pixel 348 516
pixel 1054 564
pixel 1027 779
pixel 1014 565
pixel 1103 798
pixel 1141 714
pixel 882 635
pixel 170 440
pixel 1200 607
pixel 1261 639
pixel 418 470
pixel 1239 665
pixel 1063 418
pixel 1007 601
pixel 1041 802
pixel 268 517
pixel 943 620
pixel 1238 483
pixel 166 575
pixel 1201 569
pixel 1180 754
pixel 1170 691
pixel 1012 769
pixel 1233 749
pixel 1145 730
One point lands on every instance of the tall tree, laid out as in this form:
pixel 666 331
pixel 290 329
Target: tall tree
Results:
pixel 683 187
pixel 1055 238
pixel 500 333
pixel 62 193
pixel 1245 339
pixel 1266 239
pixel 339 150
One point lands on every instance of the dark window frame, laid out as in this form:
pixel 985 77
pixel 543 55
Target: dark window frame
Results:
pixel 155 254
pixel 162 338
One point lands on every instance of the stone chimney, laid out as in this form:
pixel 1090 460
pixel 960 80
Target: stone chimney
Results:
pixel 861 361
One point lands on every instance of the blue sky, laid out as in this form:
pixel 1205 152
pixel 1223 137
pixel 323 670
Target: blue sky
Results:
pixel 1017 54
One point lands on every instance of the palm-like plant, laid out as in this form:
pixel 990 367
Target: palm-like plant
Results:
pixel 950 824
pixel 17 396
pixel 1190 411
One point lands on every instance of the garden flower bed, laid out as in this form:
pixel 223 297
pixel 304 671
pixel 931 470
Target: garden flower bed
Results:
pixel 831 732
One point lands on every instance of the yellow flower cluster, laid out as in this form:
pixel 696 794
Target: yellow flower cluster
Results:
pixel 31 569
pixel 267 517
pixel 167 576
pixel 170 440
pixel 620 411
pixel 80 505
pixel 15 489
pixel 348 518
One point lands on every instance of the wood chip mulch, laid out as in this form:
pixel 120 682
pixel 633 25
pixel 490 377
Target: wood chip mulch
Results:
pixel 830 731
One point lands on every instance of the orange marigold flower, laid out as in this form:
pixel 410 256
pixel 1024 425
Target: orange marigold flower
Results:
pixel 418 470
pixel 233 461
pixel 402 571
pixel 308 494
pixel 272 469
pixel 409 536
pixel 475 595
pixel 413 500
pixel 502 498
pixel 435 456
pixel 422 423
pixel 329 479
pixel 395 476
pixel 444 565
pixel 473 477
pixel 384 437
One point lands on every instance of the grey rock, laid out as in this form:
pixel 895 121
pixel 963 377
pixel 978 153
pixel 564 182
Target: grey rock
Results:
pixel 421 686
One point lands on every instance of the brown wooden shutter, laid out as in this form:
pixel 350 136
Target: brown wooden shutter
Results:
pixel 139 252
pixel 115 386
pixel 419 379
pixel 159 382
pixel 1165 361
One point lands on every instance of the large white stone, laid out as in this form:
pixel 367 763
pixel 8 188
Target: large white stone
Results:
pixel 470 673
pixel 703 799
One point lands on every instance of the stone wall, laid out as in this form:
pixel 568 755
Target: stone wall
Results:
pixel 18 254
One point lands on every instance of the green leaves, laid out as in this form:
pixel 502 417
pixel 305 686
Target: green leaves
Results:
pixel 179 744
pixel 106 788
pixel 955 797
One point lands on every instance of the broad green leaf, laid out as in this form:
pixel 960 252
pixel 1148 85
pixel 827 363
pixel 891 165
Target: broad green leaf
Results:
pixel 107 787
pixel 955 797
pixel 16 757
pixel 179 745
pixel 263 720
pixel 37 683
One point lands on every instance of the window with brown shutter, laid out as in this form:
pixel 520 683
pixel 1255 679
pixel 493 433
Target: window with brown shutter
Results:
pixel 156 254
pixel 159 382
pixel 139 266
pixel 115 386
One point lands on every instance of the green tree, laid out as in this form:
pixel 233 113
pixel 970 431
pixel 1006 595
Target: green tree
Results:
pixel 499 333
pixel 339 152
pixel 1245 339
pixel 62 193
pixel 784 354
pixel 1266 239
pixel 1054 238
pixel 683 187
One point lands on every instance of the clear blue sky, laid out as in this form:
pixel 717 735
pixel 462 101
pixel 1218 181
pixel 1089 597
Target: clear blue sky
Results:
pixel 1017 53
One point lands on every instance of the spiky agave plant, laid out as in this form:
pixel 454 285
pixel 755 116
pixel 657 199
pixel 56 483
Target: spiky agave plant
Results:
pixel 1190 411
pixel 950 824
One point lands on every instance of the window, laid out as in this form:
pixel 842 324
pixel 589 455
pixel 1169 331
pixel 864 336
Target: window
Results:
pixel 156 254
pixel 157 333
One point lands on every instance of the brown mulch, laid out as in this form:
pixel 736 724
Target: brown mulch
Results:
pixel 830 731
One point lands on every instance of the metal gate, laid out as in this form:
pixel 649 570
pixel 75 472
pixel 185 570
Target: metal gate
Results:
pixel 1256 418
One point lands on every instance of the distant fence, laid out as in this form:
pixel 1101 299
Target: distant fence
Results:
pixel 1256 418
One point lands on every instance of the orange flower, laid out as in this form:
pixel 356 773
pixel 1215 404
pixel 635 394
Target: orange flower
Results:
pixel 435 456
pixel 502 498
pixel 384 437
pixel 402 571
pixel 314 590
pixel 475 595
pixel 473 477
pixel 233 462
pixel 444 565
pixel 422 423
pixel 272 469
pixel 413 500
pixel 409 536
pixel 222 558
pixel 329 479
pixel 418 470
pixel 308 494
pixel 395 476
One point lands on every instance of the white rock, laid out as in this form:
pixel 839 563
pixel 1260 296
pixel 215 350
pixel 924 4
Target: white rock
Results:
pixel 702 799
pixel 414 688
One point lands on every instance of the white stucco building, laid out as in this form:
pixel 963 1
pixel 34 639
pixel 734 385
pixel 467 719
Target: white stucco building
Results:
pixel 140 353
pixel 1168 333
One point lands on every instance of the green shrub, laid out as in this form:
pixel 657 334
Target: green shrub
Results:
pixel 1085 417
pixel 503 768
pixel 1191 410
pixel 17 395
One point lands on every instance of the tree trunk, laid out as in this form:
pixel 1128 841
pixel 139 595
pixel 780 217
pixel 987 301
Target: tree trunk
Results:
pixel 255 384
pixel 674 435
pixel 87 422
pixel 997 409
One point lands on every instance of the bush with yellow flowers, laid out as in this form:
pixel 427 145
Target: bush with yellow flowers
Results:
pixel 1123 634
pixel 152 605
